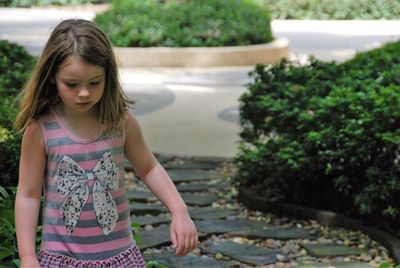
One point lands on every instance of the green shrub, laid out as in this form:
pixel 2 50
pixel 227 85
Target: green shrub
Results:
pixel 326 135
pixel 388 265
pixel 145 23
pixel 15 66
pixel 9 157
pixel 338 10
pixel 8 247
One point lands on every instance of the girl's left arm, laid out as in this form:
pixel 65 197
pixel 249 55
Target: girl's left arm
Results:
pixel 183 232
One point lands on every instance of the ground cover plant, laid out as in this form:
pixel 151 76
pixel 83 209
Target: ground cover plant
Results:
pixel 326 135
pixel 8 247
pixel 333 10
pixel 147 23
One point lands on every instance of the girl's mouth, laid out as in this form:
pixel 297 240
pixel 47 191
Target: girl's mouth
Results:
pixel 83 103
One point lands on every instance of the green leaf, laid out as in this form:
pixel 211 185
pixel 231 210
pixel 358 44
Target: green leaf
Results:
pixel 4 193
pixel 5 252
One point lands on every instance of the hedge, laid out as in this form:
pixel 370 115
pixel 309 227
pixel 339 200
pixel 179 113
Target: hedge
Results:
pixel 334 10
pixel 152 23
pixel 326 135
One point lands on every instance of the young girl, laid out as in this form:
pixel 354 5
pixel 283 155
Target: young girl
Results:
pixel 77 132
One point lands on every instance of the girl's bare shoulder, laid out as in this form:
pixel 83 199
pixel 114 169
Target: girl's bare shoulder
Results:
pixel 131 123
pixel 33 134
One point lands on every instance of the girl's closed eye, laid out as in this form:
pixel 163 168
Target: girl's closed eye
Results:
pixel 95 83
pixel 71 85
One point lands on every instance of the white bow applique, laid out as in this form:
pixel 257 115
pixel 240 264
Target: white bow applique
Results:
pixel 72 184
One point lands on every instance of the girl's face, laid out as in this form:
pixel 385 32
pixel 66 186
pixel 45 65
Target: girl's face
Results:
pixel 80 85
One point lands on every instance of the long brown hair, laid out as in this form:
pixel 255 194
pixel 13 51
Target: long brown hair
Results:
pixel 73 37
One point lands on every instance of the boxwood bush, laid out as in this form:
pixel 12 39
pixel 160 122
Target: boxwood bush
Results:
pixel 147 23
pixel 337 10
pixel 15 66
pixel 326 135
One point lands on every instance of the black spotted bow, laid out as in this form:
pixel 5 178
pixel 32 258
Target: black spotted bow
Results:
pixel 72 185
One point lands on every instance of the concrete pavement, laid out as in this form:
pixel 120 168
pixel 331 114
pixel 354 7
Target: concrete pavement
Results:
pixel 193 111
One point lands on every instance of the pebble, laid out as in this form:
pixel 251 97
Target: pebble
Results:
pixel 378 259
pixel 218 256
pixel 366 257
pixel 280 257
pixel 238 240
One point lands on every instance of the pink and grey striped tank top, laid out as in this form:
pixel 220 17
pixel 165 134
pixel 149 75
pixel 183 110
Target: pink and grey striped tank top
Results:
pixel 86 211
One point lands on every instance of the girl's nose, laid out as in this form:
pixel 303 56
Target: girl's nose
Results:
pixel 83 92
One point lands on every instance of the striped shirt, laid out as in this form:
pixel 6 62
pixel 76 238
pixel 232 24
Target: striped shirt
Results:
pixel 83 237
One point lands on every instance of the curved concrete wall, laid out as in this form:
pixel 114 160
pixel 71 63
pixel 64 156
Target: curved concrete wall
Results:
pixel 203 56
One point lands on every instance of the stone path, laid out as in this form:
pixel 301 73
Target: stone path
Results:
pixel 232 236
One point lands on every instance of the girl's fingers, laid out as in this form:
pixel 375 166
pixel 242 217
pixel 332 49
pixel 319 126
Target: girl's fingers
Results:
pixel 179 245
pixel 190 242
pixel 184 239
pixel 174 239
pixel 195 242
pixel 184 245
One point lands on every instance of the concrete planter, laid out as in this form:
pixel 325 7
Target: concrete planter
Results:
pixel 202 56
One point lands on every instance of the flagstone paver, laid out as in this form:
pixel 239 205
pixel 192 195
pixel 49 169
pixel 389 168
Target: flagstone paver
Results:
pixel 142 196
pixel 250 254
pixel 144 208
pixel 170 260
pixel 180 175
pixel 337 265
pixel 209 213
pixel 194 187
pixel 199 199
pixel 226 226
pixel 158 236
pixel 277 233
pixel 151 220
pixel 194 165
pixel 231 235
pixel 326 250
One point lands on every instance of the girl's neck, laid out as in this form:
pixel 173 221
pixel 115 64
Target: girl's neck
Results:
pixel 76 115
pixel 84 125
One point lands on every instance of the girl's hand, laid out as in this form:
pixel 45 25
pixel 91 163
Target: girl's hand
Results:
pixel 30 262
pixel 184 236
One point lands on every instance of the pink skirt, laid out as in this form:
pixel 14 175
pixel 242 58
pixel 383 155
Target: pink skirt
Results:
pixel 130 258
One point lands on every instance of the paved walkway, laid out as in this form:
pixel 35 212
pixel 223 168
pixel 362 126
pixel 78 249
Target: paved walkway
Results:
pixel 194 111
pixel 232 236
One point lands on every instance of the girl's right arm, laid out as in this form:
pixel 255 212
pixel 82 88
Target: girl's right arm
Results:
pixel 27 203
